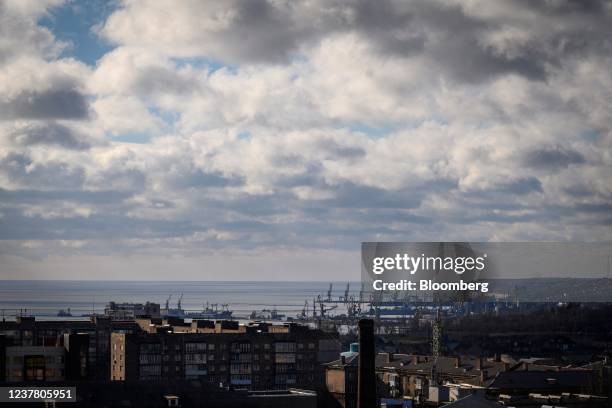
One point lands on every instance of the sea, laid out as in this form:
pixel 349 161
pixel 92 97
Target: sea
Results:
pixel 45 298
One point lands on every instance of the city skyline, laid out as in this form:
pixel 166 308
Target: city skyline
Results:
pixel 266 140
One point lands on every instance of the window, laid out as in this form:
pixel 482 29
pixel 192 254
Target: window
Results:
pixel 241 347
pixel 195 347
pixel 284 347
pixel 199 358
pixel 150 359
pixel 149 348
pixel 285 358
pixel 34 368
pixel 284 379
pixel 150 371
pixel 240 379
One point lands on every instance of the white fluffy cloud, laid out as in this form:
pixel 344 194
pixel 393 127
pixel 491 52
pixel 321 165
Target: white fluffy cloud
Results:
pixel 306 125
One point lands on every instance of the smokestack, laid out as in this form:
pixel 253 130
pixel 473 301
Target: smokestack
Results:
pixel 366 386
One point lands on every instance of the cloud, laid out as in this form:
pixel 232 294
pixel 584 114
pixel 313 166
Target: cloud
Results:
pixel 464 39
pixel 521 186
pixel 52 104
pixel 22 170
pixel 20 33
pixel 118 115
pixel 230 127
pixel 552 158
pixel 49 134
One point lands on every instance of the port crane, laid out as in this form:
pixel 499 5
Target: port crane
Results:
pixel 346 292
pixel 322 308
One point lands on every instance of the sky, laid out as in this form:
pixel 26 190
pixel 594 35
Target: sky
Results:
pixel 266 139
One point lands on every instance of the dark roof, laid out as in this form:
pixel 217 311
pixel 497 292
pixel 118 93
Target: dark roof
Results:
pixel 466 367
pixel 553 380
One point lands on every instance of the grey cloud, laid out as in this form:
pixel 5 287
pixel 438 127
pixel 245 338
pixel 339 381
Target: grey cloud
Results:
pixel 603 208
pixel 252 205
pixel 49 134
pixel 21 169
pixel 311 177
pixel 161 80
pixel 20 35
pixel 256 29
pixel 212 179
pixel 524 185
pixel 468 62
pixel 592 7
pixel 582 191
pixel 392 29
pixel 458 51
pixel 14 225
pixel 51 104
pixel 123 178
pixel 197 178
pixel 263 31
pixel 553 158
pixel 341 151
pixel 358 196
pixel 29 196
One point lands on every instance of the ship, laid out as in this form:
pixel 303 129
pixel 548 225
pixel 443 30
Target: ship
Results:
pixel 209 311
pixel 212 312
pixel 267 314
pixel 64 313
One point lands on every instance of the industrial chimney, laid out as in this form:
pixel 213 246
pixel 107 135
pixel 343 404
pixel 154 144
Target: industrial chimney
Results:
pixel 366 388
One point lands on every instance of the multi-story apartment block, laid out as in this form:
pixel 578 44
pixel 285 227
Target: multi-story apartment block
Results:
pixel 29 332
pixel 255 357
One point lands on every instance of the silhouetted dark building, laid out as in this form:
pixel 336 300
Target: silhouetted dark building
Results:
pixel 366 379
pixel 2 357
pixel 77 355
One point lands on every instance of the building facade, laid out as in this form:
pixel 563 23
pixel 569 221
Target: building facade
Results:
pixel 29 332
pixel 256 357
pixel 35 363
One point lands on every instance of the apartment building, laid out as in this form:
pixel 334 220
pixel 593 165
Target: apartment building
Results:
pixel 28 332
pixel 255 356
